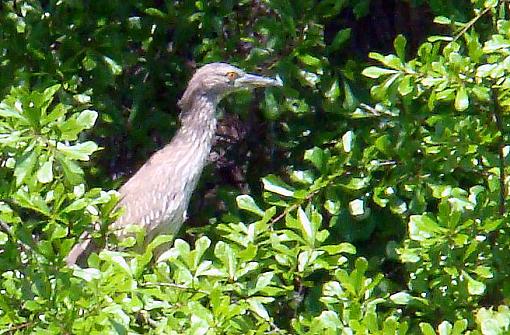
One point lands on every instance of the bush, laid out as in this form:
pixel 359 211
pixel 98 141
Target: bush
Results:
pixel 352 211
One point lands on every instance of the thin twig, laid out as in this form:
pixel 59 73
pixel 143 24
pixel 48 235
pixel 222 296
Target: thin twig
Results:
pixel 275 330
pixel 470 24
pixel 376 112
pixel 15 328
pixel 293 207
pixel 177 286
pixel 501 145
pixel 5 227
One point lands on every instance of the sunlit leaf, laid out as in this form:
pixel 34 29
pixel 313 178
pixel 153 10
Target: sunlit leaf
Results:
pixel 474 287
pixel 461 99
pixel 376 72
pixel 25 166
pixel 80 151
pixel 246 202
pixel 45 173
pixel 274 184
pixel 115 68
pixel 400 46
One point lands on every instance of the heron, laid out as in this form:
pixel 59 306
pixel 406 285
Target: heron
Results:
pixel 156 197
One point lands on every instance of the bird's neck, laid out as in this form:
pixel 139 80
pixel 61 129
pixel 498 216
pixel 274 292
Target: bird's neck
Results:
pixel 198 120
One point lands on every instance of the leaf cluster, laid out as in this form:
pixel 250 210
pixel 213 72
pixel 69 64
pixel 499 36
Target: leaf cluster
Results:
pixel 377 204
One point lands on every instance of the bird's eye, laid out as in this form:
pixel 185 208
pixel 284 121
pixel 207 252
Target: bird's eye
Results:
pixel 232 75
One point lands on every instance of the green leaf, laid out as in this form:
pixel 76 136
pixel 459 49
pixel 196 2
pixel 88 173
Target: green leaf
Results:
pixel 183 248
pixel 201 246
pixel 461 99
pixel 447 94
pixel 384 144
pixel 117 259
pixel 158 241
pixel 302 176
pixel 442 20
pixel 82 98
pixel 155 12
pixel 87 118
pixel 401 298
pixel 271 106
pixel 348 140
pixel 310 60
pixel 361 8
pixel 256 305
pixel 80 151
pixel 437 38
pixel 31 200
pixel 89 63
pixel 459 327
pixel 333 206
pixel 350 101
pixel 76 205
pixel 45 173
pixel 263 280
pixel 357 183
pixel 274 184
pixel 391 61
pixel 444 328
pixel 49 92
pixel 423 227
pixel 7 112
pixel 225 253
pixel 307 229
pixel 427 329
pixel 74 125
pixel 493 322
pixel 481 93
pixel 247 203
pixel 340 38
pixel 3 238
pixel 72 171
pixel 333 289
pixel 315 156
pixel 115 68
pixel 400 46
pixel 376 72
pixel 491 3
pixel 330 320
pixel 381 92
pixel 25 166
pixel 339 248
pixel 87 274
pixel 59 111
pixel 405 86
pixel 333 92
pixel 474 287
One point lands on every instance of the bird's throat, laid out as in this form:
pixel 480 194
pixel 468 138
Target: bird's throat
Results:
pixel 198 122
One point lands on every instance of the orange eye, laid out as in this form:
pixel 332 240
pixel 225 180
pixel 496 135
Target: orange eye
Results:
pixel 232 76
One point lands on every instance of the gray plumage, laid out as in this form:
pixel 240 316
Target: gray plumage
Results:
pixel 157 196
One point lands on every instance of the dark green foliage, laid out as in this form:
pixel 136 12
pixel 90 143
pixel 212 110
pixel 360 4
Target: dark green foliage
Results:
pixel 375 188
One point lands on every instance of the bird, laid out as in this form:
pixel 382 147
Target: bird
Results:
pixel 156 197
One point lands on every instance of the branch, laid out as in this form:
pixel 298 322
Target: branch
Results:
pixel 471 23
pixel 294 206
pixel 5 227
pixel 501 145
pixel 177 286
pixel 15 328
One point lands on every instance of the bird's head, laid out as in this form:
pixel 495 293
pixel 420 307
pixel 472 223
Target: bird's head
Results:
pixel 216 80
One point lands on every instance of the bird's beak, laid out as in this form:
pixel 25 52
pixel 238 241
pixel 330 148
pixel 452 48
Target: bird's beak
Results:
pixel 252 81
